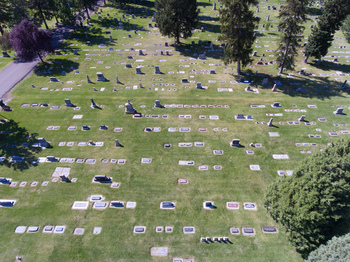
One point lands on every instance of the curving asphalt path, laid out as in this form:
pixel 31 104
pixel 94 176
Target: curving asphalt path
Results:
pixel 18 70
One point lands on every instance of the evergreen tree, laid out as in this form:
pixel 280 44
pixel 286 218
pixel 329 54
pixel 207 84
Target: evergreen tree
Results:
pixel 29 41
pixel 346 28
pixel 336 249
pixel 237 30
pixel 291 17
pixel 310 203
pixel 334 13
pixel 176 17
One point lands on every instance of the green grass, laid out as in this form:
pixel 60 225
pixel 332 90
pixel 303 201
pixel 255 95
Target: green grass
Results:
pixel 149 184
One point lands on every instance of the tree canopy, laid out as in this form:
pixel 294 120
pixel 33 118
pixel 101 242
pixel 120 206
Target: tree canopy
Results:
pixel 237 31
pixel 176 17
pixel 310 203
pixel 346 28
pixel 29 41
pixel 336 250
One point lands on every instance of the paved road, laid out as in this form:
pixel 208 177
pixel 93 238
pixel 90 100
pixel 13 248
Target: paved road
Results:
pixel 11 75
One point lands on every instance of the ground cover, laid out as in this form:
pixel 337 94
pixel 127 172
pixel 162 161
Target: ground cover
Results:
pixel 150 184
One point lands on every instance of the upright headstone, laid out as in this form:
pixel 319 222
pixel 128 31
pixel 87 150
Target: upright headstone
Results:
pixel 88 79
pixel 339 111
pixel 93 104
pixel 235 142
pixel 42 142
pixel 156 70
pixel 274 88
pixel 214 7
pixel 68 103
pixel 265 82
pixel 5 54
pixel 116 79
pixel 302 118
pixel 248 88
pixel 157 104
pixel 110 38
pixel 343 85
pixel 117 143
pixel 268 18
pixel 140 52
pixel 270 122
pixel 138 71
pixel 255 53
pixel 129 108
pixel 199 85
pixel 100 77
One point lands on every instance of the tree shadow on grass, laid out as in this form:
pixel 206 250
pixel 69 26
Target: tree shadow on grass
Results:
pixel 17 141
pixel 331 66
pixel 189 50
pixel 321 88
pixel 62 64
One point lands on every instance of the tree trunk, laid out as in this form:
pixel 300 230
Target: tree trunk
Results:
pixel 305 59
pixel 87 12
pixel 56 19
pixel 284 58
pixel 239 67
pixel 42 16
pixel 1 30
pixel 40 57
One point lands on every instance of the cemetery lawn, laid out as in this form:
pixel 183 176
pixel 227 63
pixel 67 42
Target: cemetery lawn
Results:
pixel 150 184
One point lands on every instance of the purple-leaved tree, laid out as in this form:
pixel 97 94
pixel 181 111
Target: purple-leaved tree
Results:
pixel 29 41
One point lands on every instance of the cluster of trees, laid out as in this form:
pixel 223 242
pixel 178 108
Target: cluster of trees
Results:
pixel 322 35
pixel 315 200
pixel 12 12
pixel 176 18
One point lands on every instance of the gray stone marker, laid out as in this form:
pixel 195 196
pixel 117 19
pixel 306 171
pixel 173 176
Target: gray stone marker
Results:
pixel 156 70
pixel 199 85
pixel 110 38
pixel 140 52
pixel 255 53
pixel 100 77
pixel 339 111
pixel 117 80
pixel 129 108
pixel 214 7
pixel 159 251
pixel 248 88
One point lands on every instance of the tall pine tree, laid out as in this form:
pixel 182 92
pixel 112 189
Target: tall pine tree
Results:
pixel 291 18
pixel 237 31
pixel 176 17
